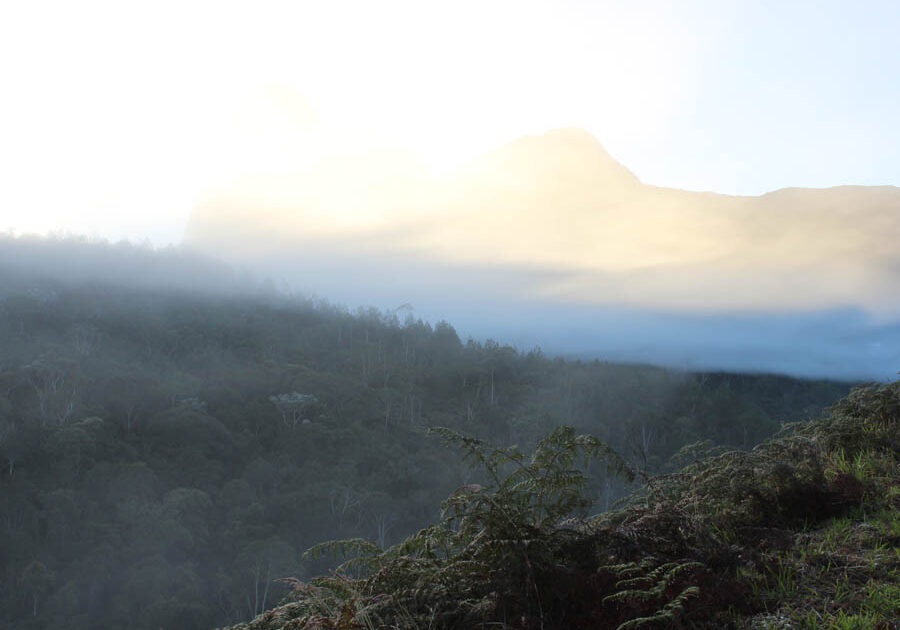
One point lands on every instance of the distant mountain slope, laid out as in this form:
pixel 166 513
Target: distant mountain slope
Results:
pixel 549 241
pixel 559 203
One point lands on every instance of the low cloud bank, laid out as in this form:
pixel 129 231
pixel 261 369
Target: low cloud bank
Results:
pixel 549 241
pixel 484 303
pixel 487 302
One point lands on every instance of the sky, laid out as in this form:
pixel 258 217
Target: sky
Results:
pixel 118 117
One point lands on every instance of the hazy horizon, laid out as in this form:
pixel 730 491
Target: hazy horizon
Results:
pixel 843 344
pixel 723 173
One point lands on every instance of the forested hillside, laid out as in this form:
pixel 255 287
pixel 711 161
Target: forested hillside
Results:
pixel 800 533
pixel 167 453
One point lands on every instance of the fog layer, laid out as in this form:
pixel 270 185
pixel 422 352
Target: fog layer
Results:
pixel 549 241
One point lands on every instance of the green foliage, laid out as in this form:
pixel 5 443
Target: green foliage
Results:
pixel 544 488
pixel 500 549
pixel 646 585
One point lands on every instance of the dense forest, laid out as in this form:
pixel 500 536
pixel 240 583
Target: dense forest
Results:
pixel 170 449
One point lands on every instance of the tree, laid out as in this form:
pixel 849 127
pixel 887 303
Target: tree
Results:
pixel 7 443
pixel 37 580
pixel 293 407
pixel 72 448
pixel 55 383
pixel 259 563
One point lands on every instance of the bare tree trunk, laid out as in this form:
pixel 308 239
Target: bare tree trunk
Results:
pixel 492 388
pixel 382 527
pixel 268 582
pixel 256 591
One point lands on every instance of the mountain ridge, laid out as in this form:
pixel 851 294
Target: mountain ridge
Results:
pixel 560 202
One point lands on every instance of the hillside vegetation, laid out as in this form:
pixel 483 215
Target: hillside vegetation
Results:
pixel 800 532
pixel 167 454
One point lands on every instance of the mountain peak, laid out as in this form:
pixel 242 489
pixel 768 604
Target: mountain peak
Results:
pixel 568 152
pixel 570 134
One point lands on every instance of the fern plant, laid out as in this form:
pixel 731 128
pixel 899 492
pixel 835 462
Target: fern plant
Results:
pixel 513 552
pixel 498 546
pixel 651 587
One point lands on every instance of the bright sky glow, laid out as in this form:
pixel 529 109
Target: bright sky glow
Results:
pixel 116 116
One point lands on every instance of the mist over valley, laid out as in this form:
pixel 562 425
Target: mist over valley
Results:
pixel 548 241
